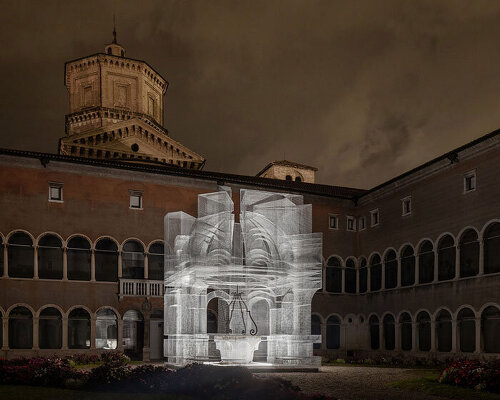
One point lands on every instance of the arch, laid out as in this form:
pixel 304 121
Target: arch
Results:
pixel 424 333
pixel 73 235
pixel 469 253
pixel 20 327
pixel 79 255
pixel 363 274
pixel 50 233
pixel 20 254
pixel 50 328
pixel 426 261
pixel 333 332
pixel 466 326
pixel 446 249
pixel 405 330
pixel 57 307
pixel 220 294
pixel 106 336
pixel 491 244
pixel 333 274
pixel 490 328
pixel 106 259
pixel 407 259
pixel 156 260
pixel 444 330
pixel 374 324
pixel 79 318
pixel 50 255
pixel 375 272
pixel 350 275
pixel 391 268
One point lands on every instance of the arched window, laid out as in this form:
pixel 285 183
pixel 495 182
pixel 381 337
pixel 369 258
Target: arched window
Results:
pixel 133 260
pixel 79 329
pixel 109 50
pixel 50 257
pixel 106 329
pixel 443 331
pixel 446 258
pixel 374 332
pixel 469 254
pixel 363 275
pixel 155 261
pixel 20 255
pixel 426 262
pixel 405 327
pixel 490 327
pixel 333 275
pixel 424 331
pixel 375 273
pixel 316 329
pixel 20 328
pixel 50 329
pixel 391 269
pixel 407 266
pixel 288 178
pixel 389 332
pixel 466 321
pixel 211 322
pixel 133 334
pixel 333 332
pixel 79 259
pixel 491 249
pixel 106 261
pixel 350 276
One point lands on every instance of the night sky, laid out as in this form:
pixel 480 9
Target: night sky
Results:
pixel 363 90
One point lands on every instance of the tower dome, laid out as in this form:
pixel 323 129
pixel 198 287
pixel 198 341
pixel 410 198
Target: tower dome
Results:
pixel 114 48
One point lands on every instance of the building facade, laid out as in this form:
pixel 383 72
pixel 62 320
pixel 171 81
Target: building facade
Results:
pixel 411 267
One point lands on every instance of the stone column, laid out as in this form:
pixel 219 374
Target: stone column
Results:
pixel 398 284
pixel 481 258
pixel 64 333
pixel 436 265
pixel 454 335
pixel 5 261
pixel 433 337
pixel 323 336
pixel 35 334
pixel 5 332
pixel 120 335
pixel 368 279
pixel 35 263
pixel 92 265
pixel 397 335
pixel 92 331
pixel 382 285
pixel 120 265
pixel 146 349
pixel 457 263
pixel 146 266
pixel 342 278
pixel 417 269
pixel 478 336
pixel 414 337
pixel 381 335
pixel 357 279
pixel 65 264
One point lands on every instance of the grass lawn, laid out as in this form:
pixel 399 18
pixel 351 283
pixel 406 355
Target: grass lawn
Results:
pixel 15 392
pixel 427 383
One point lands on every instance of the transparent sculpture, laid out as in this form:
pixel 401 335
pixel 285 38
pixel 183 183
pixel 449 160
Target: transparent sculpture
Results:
pixel 264 270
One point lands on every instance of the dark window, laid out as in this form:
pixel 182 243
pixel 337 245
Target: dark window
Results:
pixel 333 332
pixel 469 254
pixel 79 259
pixel 391 270
pixel 407 266
pixel 446 258
pixel 298 179
pixel 211 322
pixel 490 326
pixel 50 257
pixel 426 262
pixel 133 334
pixel 20 254
pixel 155 261
pixel 405 327
pixel 50 328
pixel 316 329
pixel 424 331
pixel 106 330
pixel 20 328
pixel 443 331
pixel 79 329
pixel 333 275
pixel 333 222
pixel 374 333
pixel 491 249
pixel 133 260
pixel 375 273
pixel 363 276
pixel 288 178
pixel 350 276
pixel 106 260
pixel 389 332
pixel 466 322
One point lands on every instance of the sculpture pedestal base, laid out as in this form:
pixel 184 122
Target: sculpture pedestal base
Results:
pixel 237 349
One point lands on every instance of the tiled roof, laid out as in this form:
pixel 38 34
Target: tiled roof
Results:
pixel 286 163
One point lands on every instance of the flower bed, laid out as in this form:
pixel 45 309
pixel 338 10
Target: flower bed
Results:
pixel 195 380
pixel 473 374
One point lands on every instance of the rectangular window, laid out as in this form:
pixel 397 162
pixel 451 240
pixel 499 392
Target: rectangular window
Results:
pixel 375 218
pixel 406 206
pixel 136 199
pixel 151 106
pixel 88 100
pixel 333 221
pixel 351 223
pixel 362 223
pixel 470 181
pixel 55 191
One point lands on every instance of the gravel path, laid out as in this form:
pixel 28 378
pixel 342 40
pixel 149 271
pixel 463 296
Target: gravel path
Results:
pixel 355 383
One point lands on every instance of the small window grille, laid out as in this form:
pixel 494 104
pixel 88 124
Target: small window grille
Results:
pixel 470 181
pixel 55 191
pixel 333 221
pixel 135 199
pixel 375 217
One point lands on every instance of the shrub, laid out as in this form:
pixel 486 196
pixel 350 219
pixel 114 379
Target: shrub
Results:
pixel 473 374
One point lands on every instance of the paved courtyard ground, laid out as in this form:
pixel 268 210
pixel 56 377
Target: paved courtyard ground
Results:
pixel 356 383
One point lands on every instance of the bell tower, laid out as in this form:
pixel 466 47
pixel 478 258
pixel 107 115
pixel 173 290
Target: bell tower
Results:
pixel 116 111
